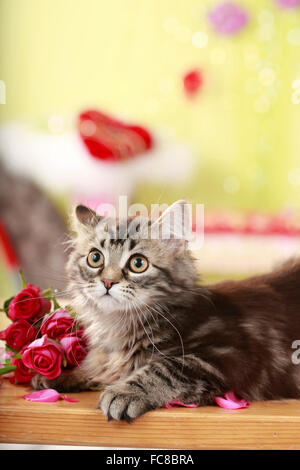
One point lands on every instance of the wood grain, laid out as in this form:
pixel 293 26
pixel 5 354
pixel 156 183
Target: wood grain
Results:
pixel 268 425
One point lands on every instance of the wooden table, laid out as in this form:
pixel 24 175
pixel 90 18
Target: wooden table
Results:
pixel 268 425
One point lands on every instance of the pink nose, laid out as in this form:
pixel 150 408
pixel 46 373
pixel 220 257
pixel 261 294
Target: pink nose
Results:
pixel 108 283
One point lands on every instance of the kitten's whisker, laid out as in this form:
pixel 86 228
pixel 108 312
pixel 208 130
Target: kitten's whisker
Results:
pixel 177 331
pixel 148 309
pixel 153 345
pixel 173 326
pixel 152 342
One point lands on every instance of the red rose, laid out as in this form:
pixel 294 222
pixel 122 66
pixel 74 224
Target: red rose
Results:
pixel 22 374
pixel 18 334
pixel 58 324
pixel 45 356
pixel 74 348
pixel 29 304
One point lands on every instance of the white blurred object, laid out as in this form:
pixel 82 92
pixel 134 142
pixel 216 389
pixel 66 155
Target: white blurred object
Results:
pixel 62 163
pixel 244 254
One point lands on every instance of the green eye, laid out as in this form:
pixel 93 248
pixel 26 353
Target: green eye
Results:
pixel 138 263
pixel 95 259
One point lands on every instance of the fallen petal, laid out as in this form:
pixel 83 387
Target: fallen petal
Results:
pixel 47 395
pixel 72 400
pixel 175 403
pixel 231 402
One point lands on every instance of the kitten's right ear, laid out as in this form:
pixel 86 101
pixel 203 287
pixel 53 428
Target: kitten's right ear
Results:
pixel 86 216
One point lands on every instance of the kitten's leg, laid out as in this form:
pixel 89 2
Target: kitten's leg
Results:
pixel 74 380
pixel 157 383
pixel 66 382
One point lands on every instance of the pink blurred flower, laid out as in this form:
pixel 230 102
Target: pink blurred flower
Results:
pixel 4 354
pixel 228 18
pixel 288 3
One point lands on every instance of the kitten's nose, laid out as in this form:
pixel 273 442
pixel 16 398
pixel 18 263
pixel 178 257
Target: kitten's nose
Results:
pixel 108 283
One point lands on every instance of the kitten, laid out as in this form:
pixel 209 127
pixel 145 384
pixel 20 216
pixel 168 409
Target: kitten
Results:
pixel 156 335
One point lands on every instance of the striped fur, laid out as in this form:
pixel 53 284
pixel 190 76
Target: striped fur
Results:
pixel 161 336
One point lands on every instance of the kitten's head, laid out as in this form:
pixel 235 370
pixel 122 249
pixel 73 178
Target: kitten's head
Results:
pixel 134 264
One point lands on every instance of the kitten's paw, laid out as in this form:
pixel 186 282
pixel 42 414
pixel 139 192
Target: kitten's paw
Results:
pixel 60 384
pixel 39 382
pixel 123 402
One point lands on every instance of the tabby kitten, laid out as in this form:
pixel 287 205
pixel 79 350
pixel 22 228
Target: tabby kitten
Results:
pixel 156 335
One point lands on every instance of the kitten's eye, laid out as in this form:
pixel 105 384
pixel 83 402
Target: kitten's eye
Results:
pixel 138 263
pixel 95 259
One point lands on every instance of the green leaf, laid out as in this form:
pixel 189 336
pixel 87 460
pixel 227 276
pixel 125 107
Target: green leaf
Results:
pixel 70 310
pixel 7 369
pixel 55 303
pixel 22 280
pixel 11 349
pixel 50 295
pixel 6 305
pixel 47 293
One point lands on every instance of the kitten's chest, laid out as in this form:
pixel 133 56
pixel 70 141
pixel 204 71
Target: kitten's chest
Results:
pixel 112 356
pixel 110 366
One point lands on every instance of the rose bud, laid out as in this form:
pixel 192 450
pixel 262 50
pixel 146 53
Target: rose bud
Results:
pixel 18 334
pixel 44 356
pixel 58 324
pixel 74 348
pixel 29 304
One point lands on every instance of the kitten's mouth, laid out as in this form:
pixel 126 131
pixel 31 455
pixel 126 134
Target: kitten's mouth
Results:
pixel 109 297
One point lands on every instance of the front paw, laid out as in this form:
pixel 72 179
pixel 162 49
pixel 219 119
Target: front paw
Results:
pixel 39 382
pixel 63 383
pixel 123 402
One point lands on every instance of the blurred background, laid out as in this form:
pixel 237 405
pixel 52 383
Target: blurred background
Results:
pixel 157 100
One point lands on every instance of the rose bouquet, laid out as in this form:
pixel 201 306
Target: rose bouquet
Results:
pixel 43 337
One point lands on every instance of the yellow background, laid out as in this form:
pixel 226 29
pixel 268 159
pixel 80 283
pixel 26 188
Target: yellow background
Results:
pixel 128 57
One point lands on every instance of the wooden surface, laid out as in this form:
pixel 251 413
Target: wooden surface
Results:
pixel 269 425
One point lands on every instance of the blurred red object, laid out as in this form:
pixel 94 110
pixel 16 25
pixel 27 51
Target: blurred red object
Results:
pixel 192 81
pixel 111 140
pixel 8 249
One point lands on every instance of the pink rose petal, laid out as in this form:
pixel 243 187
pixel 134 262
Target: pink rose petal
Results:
pixel 47 395
pixel 231 402
pixel 175 403
pixel 72 400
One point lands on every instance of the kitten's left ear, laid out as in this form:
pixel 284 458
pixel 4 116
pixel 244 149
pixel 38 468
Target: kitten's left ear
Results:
pixel 86 216
pixel 174 226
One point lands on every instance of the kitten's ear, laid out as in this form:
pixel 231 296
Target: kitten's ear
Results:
pixel 174 226
pixel 86 216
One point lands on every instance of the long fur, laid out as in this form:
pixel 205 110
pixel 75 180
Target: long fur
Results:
pixel 160 335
